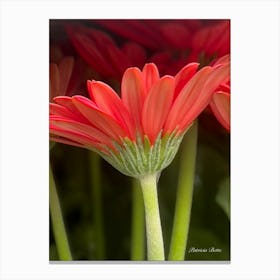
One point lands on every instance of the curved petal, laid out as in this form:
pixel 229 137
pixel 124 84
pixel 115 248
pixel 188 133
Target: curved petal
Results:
pixel 150 75
pixel 63 140
pixel 222 60
pixel 126 30
pixel 99 119
pixel 156 107
pixel 220 106
pixel 110 103
pixel 133 94
pixel 65 70
pixel 72 135
pixel 135 53
pixel 176 35
pixel 54 80
pixel 89 131
pixel 56 109
pixel 213 39
pixel 186 98
pixel 224 88
pixel 66 102
pixel 88 49
pixel 218 76
pixel 118 60
pixel 183 76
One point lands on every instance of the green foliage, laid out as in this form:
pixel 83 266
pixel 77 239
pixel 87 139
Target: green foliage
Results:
pixel 223 196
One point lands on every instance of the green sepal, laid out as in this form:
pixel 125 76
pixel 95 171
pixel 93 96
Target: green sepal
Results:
pixel 139 158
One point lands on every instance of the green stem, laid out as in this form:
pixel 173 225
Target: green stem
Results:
pixel 138 223
pixel 153 225
pixel 97 205
pixel 58 227
pixel 184 196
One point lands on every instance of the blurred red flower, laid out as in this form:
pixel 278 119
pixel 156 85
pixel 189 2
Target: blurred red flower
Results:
pixel 102 53
pixel 220 103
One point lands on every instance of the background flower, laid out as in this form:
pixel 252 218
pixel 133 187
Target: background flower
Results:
pixel 220 103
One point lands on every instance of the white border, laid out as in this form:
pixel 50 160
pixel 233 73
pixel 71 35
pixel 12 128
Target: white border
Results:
pixel 24 138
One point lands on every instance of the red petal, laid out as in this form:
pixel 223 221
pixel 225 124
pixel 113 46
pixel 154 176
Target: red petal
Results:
pixel 110 103
pixel 156 107
pixel 183 76
pixel 72 135
pixel 118 60
pixel 66 102
pixel 186 99
pixel 88 49
pixel 125 29
pixel 220 106
pixel 222 60
pixel 98 118
pixel 86 130
pixel 59 110
pixel 54 80
pixel 176 35
pixel 219 75
pixel 77 78
pixel 150 75
pixel 133 94
pixel 135 53
pixel 65 141
pixel 65 70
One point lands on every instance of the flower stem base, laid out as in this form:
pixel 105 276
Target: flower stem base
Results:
pixel 153 224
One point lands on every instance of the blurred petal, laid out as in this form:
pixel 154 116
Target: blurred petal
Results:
pixel 220 106
pixel 88 50
pixel 118 60
pixel 135 53
pixel 176 35
pixel 54 81
pixel 65 70
pixel 134 30
pixel 213 40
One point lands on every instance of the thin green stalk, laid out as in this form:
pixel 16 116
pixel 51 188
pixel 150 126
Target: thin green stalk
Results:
pixel 184 196
pixel 138 223
pixel 153 225
pixel 97 205
pixel 58 227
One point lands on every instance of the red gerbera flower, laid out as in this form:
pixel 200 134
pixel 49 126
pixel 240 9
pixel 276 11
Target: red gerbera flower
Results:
pixel 138 133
